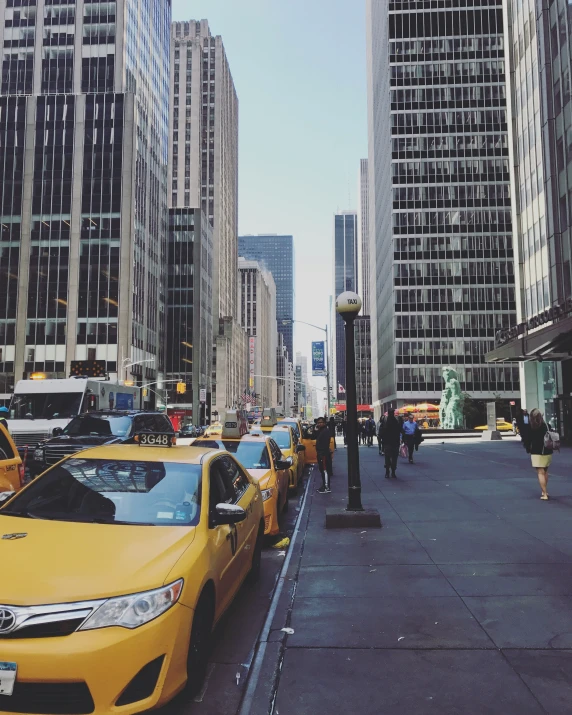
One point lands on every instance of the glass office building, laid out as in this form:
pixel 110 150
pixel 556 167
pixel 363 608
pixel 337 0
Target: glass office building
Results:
pixel 443 277
pixel 83 186
pixel 539 36
pixel 190 311
pixel 346 269
pixel 276 253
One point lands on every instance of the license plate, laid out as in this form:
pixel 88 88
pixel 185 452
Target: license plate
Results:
pixel 7 677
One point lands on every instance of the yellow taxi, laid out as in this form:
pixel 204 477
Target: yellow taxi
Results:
pixel 502 426
pixel 296 425
pixel 116 565
pixel 285 438
pixel 11 468
pixel 309 442
pixel 262 458
pixel 215 430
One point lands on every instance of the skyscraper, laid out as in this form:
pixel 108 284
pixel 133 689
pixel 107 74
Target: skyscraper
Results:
pixel 257 311
pixel 83 185
pixel 203 170
pixel 363 236
pixel 190 312
pixel 540 36
pixel 443 280
pixel 345 279
pixel 277 254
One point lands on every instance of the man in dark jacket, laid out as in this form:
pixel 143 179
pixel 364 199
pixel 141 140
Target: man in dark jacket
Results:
pixel 323 453
pixel 332 426
pixel 390 431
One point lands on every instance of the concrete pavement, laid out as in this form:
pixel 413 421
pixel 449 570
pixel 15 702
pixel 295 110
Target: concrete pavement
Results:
pixel 461 603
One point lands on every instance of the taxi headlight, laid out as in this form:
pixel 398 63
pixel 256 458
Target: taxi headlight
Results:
pixel 136 610
pixel 267 494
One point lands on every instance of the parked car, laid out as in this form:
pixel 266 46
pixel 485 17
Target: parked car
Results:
pixel 94 429
pixel 190 431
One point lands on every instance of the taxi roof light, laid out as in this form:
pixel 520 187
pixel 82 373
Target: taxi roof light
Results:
pixel 268 417
pixel 235 424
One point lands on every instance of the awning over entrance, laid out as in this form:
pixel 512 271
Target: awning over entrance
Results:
pixel 551 343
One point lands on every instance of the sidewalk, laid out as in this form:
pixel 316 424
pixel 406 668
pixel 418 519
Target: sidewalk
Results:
pixel 461 603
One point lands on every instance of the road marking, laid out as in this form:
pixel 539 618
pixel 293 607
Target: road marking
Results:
pixel 256 665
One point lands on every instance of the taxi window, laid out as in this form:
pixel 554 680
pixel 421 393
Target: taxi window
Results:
pixel 252 455
pixel 275 451
pixel 239 480
pixel 221 486
pixel 113 491
pixel 6 451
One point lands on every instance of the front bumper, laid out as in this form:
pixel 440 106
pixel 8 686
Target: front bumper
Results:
pixel 106 660
pixel 271 527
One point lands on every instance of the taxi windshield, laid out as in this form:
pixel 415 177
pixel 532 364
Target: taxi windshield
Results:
pixel 281 437
pixel 110 491
pixel 252 455
pixel 294 425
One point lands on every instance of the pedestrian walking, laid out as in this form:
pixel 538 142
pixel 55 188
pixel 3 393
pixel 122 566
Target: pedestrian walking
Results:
pixel 323 454
pixel 410 432
pixel 379 435
pixel 523 425
pixel 390 431
pixel 344 430
pixel 332 425
pixel 539 444
pixel 370 431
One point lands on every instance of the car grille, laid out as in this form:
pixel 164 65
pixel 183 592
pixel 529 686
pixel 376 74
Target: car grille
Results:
pixel 29 439
pixel 49 699
pixel 54 454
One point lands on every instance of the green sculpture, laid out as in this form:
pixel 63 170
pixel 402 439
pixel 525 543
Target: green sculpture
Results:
pixel 451 407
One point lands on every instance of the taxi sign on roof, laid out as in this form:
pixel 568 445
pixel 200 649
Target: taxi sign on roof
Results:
pixel 155 439
pixel 268 417
pixel 235 424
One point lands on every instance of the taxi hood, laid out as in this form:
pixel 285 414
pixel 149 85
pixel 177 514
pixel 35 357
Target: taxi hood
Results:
pixel 58 562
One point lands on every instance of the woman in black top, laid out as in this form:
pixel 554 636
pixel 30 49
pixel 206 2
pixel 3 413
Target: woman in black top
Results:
pixel 540 456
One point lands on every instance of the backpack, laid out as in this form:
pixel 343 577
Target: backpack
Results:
pixel 552 441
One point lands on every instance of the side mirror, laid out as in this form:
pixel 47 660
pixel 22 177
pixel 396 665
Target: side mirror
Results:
pixel 300 448
pixel 57 431
pixel 229 514
pixel 284 463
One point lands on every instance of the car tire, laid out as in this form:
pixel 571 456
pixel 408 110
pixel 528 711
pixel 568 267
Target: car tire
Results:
pixel 199 644
pixel 256 565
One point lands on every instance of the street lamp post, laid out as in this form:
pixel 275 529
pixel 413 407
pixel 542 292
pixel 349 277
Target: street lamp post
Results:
pixel 348 305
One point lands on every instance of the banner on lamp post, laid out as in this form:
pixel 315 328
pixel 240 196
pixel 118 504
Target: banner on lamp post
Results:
pixel 319 359
pixel 251 349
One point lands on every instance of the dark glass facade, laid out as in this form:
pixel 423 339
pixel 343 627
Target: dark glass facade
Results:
pixel 83 186
pixel 276 253
pixel 451 237
pixel 346 273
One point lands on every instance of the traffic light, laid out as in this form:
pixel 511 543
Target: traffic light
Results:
pixel 181 388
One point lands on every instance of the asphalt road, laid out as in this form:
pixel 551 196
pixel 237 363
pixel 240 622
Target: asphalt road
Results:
pixel 236 635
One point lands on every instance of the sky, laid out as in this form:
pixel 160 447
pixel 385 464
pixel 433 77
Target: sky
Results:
pixel 300 72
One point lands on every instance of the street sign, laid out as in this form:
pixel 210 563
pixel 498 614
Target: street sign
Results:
pixel 203 395
pixel 319 359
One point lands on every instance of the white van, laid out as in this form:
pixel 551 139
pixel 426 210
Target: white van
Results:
pixel 38 406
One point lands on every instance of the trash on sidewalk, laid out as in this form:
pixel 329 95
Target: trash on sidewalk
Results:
pixel 282 544
pixel 289 631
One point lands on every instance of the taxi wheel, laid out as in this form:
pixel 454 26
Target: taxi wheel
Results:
pixel 199 646
pixel 254 574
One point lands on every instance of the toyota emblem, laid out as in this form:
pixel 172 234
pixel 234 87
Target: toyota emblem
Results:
pixel 13 537
pixel 7 620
